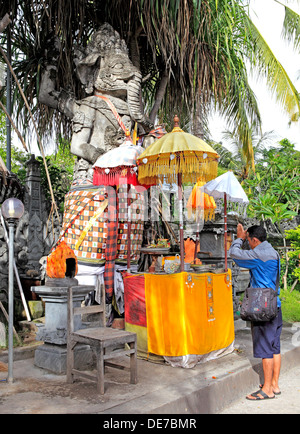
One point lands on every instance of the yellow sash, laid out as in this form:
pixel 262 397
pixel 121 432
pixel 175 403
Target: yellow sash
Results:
pixel 90 223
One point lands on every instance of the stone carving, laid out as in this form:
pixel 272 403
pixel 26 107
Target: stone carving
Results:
pixel 105 70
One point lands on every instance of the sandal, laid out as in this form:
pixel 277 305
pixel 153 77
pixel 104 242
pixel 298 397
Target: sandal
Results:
pixel 258 398
pixel 275 393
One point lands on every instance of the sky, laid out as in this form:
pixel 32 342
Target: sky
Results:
pixel 268 17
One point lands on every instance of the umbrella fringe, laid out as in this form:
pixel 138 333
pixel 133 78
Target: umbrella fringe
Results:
pixel 115 176
pixel 192 168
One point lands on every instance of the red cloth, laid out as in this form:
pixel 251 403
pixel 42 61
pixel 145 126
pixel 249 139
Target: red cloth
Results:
pixel 116 176
pixel 134 299
pixel 111 244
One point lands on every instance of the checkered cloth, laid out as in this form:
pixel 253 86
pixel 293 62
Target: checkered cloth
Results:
pixel 79 208
pixel 111 244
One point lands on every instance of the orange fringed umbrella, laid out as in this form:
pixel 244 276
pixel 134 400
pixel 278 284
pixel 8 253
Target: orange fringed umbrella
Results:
pixel 57 261
pixel 201 204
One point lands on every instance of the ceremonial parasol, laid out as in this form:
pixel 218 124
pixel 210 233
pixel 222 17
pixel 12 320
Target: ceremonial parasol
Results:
pixel 178 157
pixel 118 163
pixel 202 206
pixel 226 187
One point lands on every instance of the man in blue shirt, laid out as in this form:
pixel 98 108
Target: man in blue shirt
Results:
pixel 262 261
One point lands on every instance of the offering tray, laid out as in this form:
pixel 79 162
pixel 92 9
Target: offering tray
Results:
pixel 155 250
pixel 206 268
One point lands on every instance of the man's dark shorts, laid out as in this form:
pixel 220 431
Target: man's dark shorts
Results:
pixel 266 337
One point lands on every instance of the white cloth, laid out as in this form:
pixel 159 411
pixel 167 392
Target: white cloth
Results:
pixel 93 275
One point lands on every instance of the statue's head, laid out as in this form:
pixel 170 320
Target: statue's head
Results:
pixel 105 61
pixel 104 66
pixel 107 41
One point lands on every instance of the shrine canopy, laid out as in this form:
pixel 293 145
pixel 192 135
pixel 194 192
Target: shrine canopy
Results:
pixel 176 153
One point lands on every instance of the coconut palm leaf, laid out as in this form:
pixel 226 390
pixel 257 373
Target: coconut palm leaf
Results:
pixel 277 79
pixel 291 26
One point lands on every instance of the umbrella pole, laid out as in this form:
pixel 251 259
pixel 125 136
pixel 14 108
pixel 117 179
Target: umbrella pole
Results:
pixel 197 240
pixel 225 230
pixel 181 222
pixel 128 229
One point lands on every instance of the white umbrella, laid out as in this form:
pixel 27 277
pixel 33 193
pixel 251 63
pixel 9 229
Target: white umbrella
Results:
pixel 226 187
pixel 124 155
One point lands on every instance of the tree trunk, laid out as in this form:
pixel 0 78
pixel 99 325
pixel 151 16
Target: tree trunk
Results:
pixel 198 129
pixel 159 96
pixel 294 285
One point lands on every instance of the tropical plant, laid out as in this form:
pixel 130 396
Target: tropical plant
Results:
pixel 276 180
pixel 192 55
pixel 294 236
pixel 60 168
pixel 240 163
pixel 274 190
pixel 18 157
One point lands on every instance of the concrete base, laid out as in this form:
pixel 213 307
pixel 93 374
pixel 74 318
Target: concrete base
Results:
pixel 54 358
pixel 206 389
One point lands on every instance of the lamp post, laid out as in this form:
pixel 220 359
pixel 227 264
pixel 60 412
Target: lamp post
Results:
pixel 12 209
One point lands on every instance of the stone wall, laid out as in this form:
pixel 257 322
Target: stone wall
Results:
pixel 34 235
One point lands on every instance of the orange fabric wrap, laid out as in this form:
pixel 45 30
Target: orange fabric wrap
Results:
pixel 188 313
pixel 56 261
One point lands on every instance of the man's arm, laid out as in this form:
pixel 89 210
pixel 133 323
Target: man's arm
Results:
pixel 243 258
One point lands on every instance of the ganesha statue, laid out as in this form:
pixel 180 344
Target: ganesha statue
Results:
pixel 113 86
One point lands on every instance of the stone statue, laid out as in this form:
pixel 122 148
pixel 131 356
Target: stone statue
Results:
pixel 105 70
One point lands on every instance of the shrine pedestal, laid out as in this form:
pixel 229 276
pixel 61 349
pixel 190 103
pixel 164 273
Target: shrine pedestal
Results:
pixel 53 354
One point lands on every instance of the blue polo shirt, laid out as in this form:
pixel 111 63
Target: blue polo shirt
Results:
pixel 262 262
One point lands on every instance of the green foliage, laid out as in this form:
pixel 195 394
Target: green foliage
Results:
pixel 18 157
pixel 294 255
pixel 60 168
pixel 274 188
pixel 18 160
pixel 290 305
pixel 191 53
pixel 267 207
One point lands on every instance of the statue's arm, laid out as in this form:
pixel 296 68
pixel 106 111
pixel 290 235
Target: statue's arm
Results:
pixel 48 95
pixel 53 98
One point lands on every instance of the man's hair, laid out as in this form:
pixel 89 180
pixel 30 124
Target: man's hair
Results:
pixel 258 232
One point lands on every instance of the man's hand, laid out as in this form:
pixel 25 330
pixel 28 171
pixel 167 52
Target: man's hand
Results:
pixel 240 232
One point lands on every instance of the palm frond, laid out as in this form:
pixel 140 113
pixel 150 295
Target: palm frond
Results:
pixel 291 27
pixel 277 79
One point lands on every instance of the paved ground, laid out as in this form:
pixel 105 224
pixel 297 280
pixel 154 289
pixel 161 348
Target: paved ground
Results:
pixel 217 386
pixel 286 403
